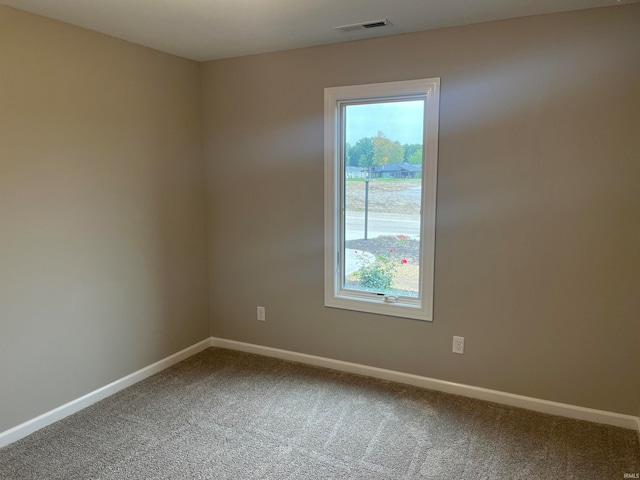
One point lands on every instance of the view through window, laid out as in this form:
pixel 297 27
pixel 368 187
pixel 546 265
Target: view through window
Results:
pixel 382 157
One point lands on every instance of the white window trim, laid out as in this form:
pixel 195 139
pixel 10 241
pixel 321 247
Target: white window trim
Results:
pixel 367 302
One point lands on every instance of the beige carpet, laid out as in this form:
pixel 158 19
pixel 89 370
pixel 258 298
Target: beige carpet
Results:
pixel 230 415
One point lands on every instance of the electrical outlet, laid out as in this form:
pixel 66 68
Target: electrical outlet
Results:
pixel 261 314
pixel 458 345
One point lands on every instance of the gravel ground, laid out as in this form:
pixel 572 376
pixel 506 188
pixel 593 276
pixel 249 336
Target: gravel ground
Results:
pixel 408 249
pixel 388 196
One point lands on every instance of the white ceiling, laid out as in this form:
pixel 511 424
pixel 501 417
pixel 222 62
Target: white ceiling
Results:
pixel 213 29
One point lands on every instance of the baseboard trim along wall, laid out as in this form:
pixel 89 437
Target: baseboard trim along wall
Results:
pixel 529 403
pixel 30 426
pixel 521 401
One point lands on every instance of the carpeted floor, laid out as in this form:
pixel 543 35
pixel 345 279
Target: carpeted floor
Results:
pixel 229 415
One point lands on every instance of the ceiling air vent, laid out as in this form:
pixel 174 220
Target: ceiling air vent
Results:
pixel 364 25
pixel 379 23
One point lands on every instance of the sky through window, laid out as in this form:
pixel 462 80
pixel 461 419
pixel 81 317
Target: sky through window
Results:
pixel 395 119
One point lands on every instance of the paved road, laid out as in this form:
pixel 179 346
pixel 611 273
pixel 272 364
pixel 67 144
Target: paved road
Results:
pixel 381 224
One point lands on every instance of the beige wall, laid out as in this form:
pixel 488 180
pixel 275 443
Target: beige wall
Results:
pixel 537 261
pixel 102 225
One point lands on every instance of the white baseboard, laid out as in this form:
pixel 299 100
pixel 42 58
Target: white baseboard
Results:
pixel 521 401
pixel 30 426
pixel 529 403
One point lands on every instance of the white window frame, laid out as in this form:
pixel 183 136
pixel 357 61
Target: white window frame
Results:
pixel 335 296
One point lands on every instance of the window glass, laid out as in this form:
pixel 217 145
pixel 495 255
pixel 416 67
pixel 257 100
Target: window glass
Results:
pixel 382 190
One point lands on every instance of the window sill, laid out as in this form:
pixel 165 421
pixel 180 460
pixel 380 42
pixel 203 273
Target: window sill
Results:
pixel 378 306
